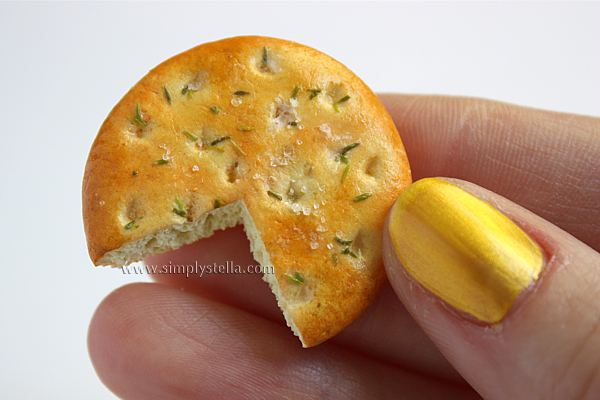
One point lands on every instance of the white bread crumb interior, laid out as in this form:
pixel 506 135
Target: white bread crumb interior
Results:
pixel 176 236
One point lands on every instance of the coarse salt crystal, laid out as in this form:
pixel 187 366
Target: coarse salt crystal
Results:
pixel 164 147
pixel 194 85
pixel 325 129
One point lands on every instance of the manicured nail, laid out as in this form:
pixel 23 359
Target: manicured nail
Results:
pixel 462 249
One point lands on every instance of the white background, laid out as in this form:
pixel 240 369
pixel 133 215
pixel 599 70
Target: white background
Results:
pixel 64 65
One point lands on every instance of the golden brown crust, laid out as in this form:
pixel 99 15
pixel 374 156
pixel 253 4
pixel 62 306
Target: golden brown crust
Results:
pixel 299 162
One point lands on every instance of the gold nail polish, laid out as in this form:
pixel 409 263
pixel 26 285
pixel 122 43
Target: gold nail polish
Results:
pixel 462 249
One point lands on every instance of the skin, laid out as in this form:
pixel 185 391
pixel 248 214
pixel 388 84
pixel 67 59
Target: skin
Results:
pixel 223 336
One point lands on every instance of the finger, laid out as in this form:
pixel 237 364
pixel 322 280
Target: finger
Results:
pixel 515 310
pixel 546 161
pixel 385 332
pixel 151 341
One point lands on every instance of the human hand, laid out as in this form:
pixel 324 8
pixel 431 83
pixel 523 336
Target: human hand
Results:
pixel 224 336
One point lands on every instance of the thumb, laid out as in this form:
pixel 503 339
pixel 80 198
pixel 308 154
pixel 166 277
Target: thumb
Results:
pixel 512 301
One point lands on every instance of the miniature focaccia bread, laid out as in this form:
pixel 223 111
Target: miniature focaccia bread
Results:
pixel 259 131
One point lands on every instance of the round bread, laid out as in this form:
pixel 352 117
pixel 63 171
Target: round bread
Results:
pixel 259 131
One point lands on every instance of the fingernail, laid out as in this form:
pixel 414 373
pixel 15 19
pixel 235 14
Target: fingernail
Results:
pixel 462 249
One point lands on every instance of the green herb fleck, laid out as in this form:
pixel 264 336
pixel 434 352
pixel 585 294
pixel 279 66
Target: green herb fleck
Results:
pixel 246 128
pixel 168 95
pixel 216 148
pixel 190 94
pixel 265 55
pixel 345 174
pixel 348 148
pixel 275 195
pixel 293 123
pixel 137 118
pixel 219 203
pixel 335 259
pixel 314 93
pixel 179 203
pixel 215 110
pixel 184 90
pixel 238 149
pixel 297 278
pixel 162 161
pixel 192 137
pixel 138 115
pixel 342 241
pixel 343 99
pixel 346 160
pixel 295 92
pixel 219 140
pixel 349 252
pixel 179 210
pixel 130 225
pixel 362 197
pixel 134 173
pixel 241 93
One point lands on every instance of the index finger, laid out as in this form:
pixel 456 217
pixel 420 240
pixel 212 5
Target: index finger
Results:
pixel 546 161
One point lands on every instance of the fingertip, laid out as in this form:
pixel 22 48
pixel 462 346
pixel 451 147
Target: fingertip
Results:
pixel 453 282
